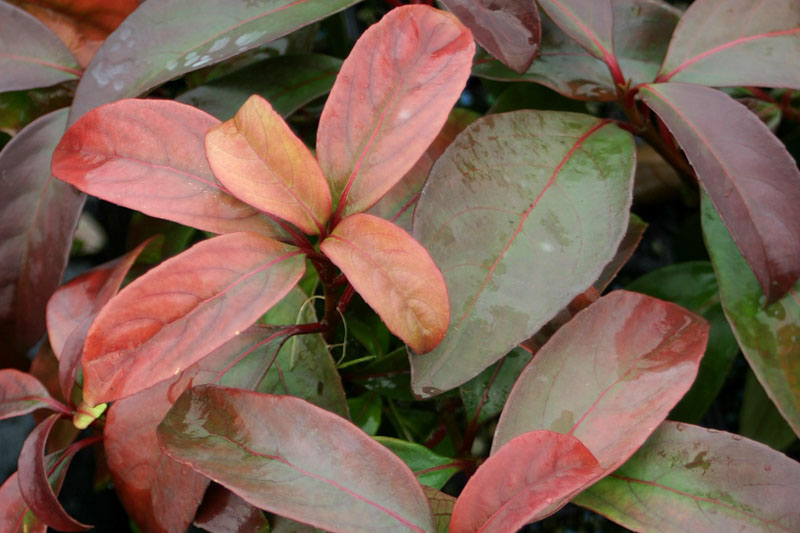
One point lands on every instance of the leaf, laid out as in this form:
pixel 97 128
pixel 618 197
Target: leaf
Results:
pixel 509 30
pixel 21 393
pixel 224 512
pixel 263 448
pixel 521 214
pixel 160 494
pixel 287 82
pixel 485 395
pixel 641 35
pixel 395 275
pixel 30 55
pixel 755 186
pixel 688 478
pixel 388 376
pixel 37 217
pixel 529 478
pixel 630 359
pixel 258 158
pixel 395 89
pixel 431 469
pixel 736 42
pixel 181 310
pixel 126 151
pixel 633 236
pixel 365 411
pixel 178 36
pixel 442 506
pixel 767 335
pixel 589 22
pixel 760 420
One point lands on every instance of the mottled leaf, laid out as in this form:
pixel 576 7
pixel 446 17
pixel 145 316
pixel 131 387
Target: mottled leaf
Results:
pixel 688 478
pixel 395 275
pixel 181 310
pixel 258 158
pixel 21 393
pixel 760 420
pixel 755 186
pixel 431 469
pixel 224 512
pixel 508 29
pixel 589 22
pixel 521 213
pixel 485 395
pixel 395 89
pixel 769 336
pixel 263 448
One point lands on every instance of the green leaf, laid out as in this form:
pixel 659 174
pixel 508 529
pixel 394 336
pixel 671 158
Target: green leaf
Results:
pixel 485 395
pixel 760 420
pixel 365 411
pixel 427 465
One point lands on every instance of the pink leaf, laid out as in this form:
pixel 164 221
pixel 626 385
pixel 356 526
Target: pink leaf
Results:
pixel 21 393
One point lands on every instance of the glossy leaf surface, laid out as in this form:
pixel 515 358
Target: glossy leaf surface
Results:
pixel 767 335
pixel 515 250
pixel 21 393
pixel 755 186
pixel 688 478
pixel 258 158
pixel 589 22
pixel 529 478
pixel 256 446
pixel 432 470
pixel 149 155
pixel 609 376
pixel 181 310
pixel 37 215
pixel 736 42
pixel 395 89
pixel 509 29
pixel 180 36
pixel 395 275
pixel 30 55
pixel 224 512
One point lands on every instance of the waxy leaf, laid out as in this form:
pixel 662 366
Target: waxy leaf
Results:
pixel 514 251
pixel 260 447
pixel 224 512
pixel 431 469
pixel 755 186
pixel 736 42
pixel 21 393
pixel 394 90
pixel 527 479
pixel 589 22
pixel 30 55
pixel 630 359
pixel 37 217
pixel 767 335
pixel 508 29
pixel 178 36
pixel 485 395
pixel 183 309
pixel 688 478
pixel 395 275
pixel 258 158
pixel 149 155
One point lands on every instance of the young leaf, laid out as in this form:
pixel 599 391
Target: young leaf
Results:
pixel 258 158
pixel 30 55
pixel 21 393
pixel 224 512
pixel 767 335
pixel 183 309
pixel 287 456
pixel 589 22
pixel 700 480
pixel 37 217
pixel 530 477
pixel 736 42
pixel 178 36
pixel 149 155
pixel 395 89
pixel 630 359
pixel 395 275
pixel 754 185
pixel 509 29
pixel 516 250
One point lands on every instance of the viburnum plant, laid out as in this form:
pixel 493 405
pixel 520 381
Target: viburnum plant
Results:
pixel 482 244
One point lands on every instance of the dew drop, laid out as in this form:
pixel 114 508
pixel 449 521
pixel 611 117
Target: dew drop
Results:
pixel 736 437
pixel 767 468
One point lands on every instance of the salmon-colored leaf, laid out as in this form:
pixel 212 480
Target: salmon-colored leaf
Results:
pixel 183 309
pixel 224 512
pixel 529 478
pixel 754 185
pixel 263 163
pixel 263 448
pixel 149 155
pixel 21 393
pixel 395 275
pixel 394 90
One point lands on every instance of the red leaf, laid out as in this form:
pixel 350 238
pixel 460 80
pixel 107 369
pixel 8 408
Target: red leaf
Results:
pixel 529 478
pixel 181 310
pixel 754 185
pixel 21 393
pixel 394 90
pixel 262 162
pixel 224 512
pixel 507 29
pixel 149 155
pixel 589 22
pixel 395 275
pixel 290 457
